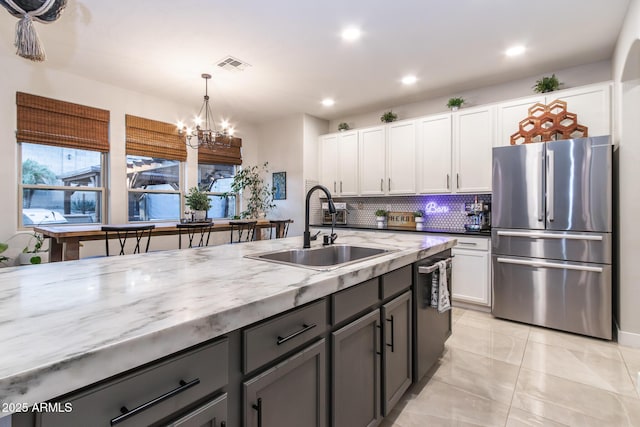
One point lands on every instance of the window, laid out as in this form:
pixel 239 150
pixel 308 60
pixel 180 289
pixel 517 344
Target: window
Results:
pixel 61 185
pixel 216 180
pixel 63 150
pixel 155 152
pixel 154 188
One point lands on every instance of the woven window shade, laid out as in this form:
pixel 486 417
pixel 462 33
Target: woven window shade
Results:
pixel 48 121
pixel 221 154
pixel 151 138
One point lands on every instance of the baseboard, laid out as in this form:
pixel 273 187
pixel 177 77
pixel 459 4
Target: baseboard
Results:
pixel 628 339
pixel 471 306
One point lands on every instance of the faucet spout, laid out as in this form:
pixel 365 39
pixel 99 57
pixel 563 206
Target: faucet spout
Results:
pixel 332 209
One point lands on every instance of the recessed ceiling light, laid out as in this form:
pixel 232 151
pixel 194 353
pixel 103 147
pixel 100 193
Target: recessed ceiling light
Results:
pixel 515 51
pixel 328 102
pixel 409 80
pixel 351 34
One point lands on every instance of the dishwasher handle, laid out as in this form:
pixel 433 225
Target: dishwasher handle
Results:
pixel 428 269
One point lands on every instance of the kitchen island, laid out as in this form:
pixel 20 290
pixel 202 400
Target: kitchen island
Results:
pixel 66 326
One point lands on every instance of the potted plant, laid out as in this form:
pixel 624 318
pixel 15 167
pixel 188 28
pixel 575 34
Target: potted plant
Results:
pixel 418 217
pixel 546 84
pixel 455 103
pixel 343 126
pixel 381 217
pixel 31 252
pixel 389 117
pixel 198 202
pixel 260 199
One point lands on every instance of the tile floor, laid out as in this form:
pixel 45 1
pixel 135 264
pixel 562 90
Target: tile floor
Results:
pixel 500 373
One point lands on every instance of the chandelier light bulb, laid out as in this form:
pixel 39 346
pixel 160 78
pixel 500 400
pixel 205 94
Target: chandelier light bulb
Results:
pixel 180 124
pixel 197 120
pixel 224 124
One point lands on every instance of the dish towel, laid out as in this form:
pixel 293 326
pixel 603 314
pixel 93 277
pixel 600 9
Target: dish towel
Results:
pixel 439 289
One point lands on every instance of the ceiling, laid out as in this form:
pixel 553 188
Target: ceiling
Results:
pixel 297 57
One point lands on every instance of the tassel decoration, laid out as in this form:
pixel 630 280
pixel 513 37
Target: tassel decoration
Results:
pixel 27 41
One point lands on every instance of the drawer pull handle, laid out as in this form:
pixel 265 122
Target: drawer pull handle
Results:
pixel 126 414
pixel 258 407
pixel 467 243
pixel 304 329
pixel 392 337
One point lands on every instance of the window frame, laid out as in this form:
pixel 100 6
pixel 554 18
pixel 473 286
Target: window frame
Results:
pixel 179 191
pixel 216 194
pixel 103 189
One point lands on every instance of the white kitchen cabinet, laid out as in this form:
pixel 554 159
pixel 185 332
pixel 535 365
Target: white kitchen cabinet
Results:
pixel 401 157
pixel 339 163
pixel 373 148
pixel 591 103
pixel 434 154
pixel 510 114
pixel 473 136
pixel 471 273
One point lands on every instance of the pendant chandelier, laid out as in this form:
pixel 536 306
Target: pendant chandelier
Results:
pixel 204 130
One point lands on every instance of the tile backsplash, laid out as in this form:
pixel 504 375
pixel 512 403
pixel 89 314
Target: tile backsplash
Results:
pixel 442 210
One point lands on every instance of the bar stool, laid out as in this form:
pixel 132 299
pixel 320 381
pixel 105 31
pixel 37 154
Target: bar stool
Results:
pixel 139 232
pixel 192 229
pixel 281 226
pixel 245 230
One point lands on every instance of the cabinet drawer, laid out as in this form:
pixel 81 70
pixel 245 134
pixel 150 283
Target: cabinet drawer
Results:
pixel 212 413
pixel 478 243
pixel 149 394
pixel 276 337
pixel 396 281
pixel 351 301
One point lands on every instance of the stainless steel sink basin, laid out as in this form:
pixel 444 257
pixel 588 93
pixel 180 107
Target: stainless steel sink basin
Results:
pixel 322 258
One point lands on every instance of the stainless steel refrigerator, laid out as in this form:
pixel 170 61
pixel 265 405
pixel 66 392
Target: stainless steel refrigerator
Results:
pixel 551 234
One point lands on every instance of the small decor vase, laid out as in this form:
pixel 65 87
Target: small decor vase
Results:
pixel 199 215
pixel 419 223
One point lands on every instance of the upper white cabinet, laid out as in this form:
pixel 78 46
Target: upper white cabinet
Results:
pixel 443 153
pixel 339 163
pixel 401 157
pixel 373 149
pixel 510 114
pixel 473 136
pixel 591 103
pixel 433 149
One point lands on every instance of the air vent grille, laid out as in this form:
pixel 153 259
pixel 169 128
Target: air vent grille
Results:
pixel 232 64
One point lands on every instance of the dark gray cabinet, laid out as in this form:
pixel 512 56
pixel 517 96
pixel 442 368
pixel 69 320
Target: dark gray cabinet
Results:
pixel 355 396
pixel 397 367
pixel 291 394
pixel 210 414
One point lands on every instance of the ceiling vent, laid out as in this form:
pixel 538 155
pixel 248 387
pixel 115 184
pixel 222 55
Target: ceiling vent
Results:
pixel 232 64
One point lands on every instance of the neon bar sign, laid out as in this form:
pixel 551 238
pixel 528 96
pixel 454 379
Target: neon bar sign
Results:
pixel 434 208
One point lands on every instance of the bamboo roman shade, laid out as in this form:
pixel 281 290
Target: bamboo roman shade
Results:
pixel 146 137
pixel 49 121
pixel 222 154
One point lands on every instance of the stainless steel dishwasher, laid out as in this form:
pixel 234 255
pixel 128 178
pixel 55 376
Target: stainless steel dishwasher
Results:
pixel 430 328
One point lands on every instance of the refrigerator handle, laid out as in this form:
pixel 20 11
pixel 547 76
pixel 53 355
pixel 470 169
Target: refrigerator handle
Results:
pixel 541 192
pixel 550 184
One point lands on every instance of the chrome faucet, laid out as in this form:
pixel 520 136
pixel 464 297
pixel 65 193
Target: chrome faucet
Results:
pixel 332 210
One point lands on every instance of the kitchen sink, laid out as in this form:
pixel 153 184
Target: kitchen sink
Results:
pixel 323 258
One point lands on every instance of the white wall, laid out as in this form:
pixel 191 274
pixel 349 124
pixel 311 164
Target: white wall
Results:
pixel 313 128
pixel 626 75
pixel 22 75
pixel 571 77
pixel 281 144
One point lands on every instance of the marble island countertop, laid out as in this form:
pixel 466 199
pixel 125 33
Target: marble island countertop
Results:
pixel 67 325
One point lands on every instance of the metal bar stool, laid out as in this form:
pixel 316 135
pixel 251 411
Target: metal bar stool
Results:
pixel 281 226
pixel 244 230
pixel 123 231
pixel 192 229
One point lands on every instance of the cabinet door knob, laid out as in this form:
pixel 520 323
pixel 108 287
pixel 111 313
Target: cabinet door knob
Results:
pixel 448 182
pixel 381 184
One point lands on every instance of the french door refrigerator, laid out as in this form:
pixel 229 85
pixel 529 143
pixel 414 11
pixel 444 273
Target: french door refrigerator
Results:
pixel 551 235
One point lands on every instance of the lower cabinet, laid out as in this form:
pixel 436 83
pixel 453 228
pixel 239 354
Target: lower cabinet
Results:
pixel 356 373
pixel 290 394
pixel 396 355
pixel 210 414
pixel 472 271
pixel 371 362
